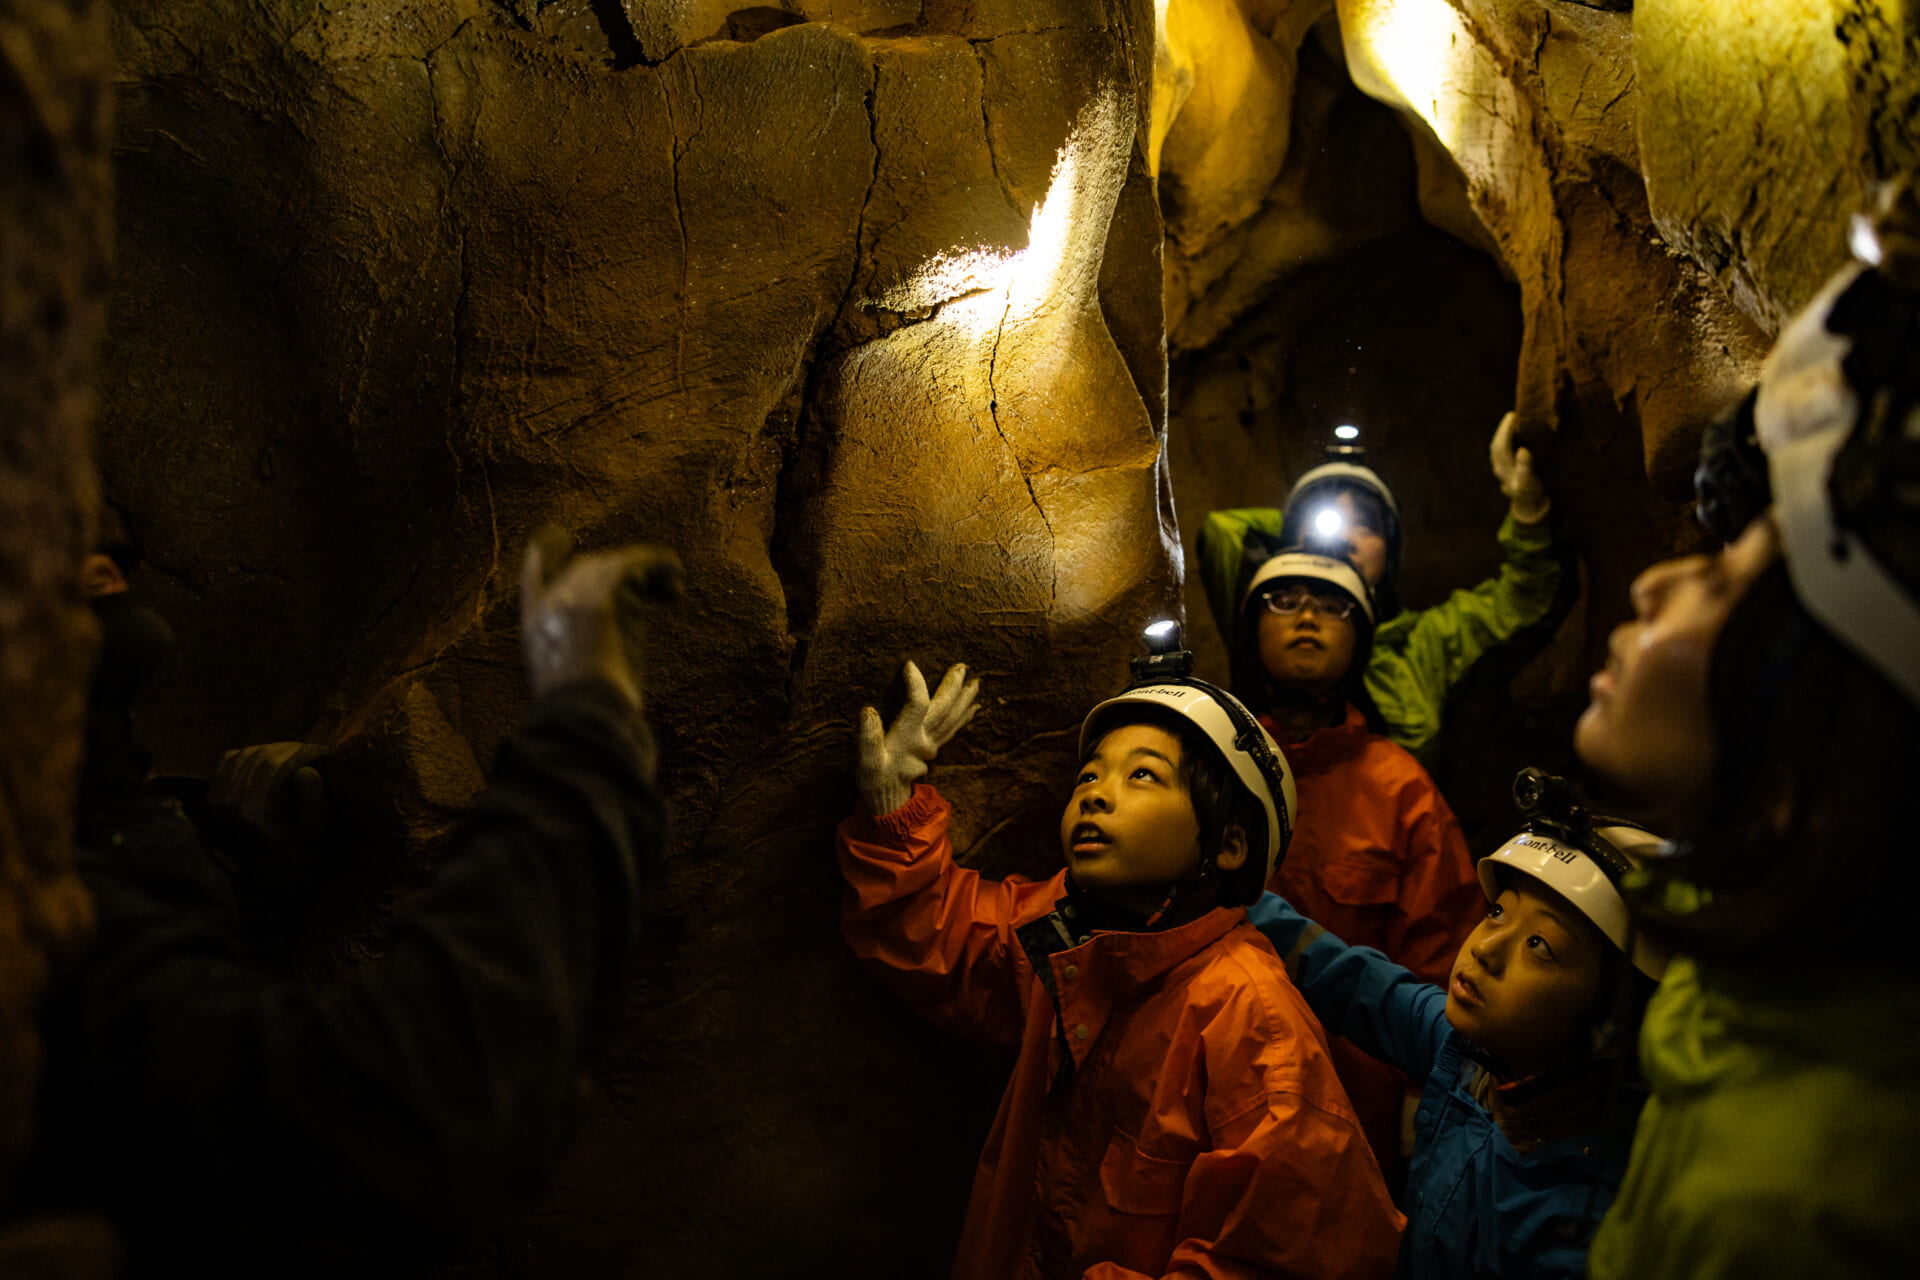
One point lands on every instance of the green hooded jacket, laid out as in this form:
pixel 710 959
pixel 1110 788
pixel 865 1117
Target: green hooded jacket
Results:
pixel 1783 1136
pixel 1419 655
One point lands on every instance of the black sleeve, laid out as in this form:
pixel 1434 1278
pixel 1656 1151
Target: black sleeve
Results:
pixel 407 1107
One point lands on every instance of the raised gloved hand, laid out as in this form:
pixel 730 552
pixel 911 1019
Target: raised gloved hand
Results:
pixel 275 789
pixel 1513 468
pixel 580 618
pixel 890 761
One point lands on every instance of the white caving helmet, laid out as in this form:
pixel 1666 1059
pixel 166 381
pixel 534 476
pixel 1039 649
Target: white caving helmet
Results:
pixel 1309 503
pixel 1303 510
pixel 1248 749
pixel 1586 871
pixel 1350 473
pixel 1316 568
pixel 1838 416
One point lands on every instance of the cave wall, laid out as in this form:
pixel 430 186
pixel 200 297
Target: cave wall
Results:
pixel 867 306
pixel 55 204
pixel 856 305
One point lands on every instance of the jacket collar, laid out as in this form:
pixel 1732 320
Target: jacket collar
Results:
pixel 1085 974
pixel 1325 747
pixel 1119 959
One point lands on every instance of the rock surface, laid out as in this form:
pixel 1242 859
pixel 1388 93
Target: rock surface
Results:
pixel 826 303
pixel 1754 174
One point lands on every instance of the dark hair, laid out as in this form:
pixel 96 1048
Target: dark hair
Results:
pixel 1611 1025
pixel 1220 800
pixel 1809 807
pixel 1373 513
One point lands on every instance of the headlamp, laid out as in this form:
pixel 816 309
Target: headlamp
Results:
pixel 1164 658
pixel 1328 522
pixel 1540 795
pixel 1552 807
pixel 1346 446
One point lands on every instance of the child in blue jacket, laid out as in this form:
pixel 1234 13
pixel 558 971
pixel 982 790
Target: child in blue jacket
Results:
pixel 1524 1059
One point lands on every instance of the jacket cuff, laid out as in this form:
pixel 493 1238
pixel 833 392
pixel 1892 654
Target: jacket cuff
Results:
pixel 1517 537
pixel 916 812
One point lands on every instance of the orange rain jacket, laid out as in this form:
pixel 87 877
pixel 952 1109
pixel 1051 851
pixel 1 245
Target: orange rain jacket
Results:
pixel 1173 1111
pixel 1379 860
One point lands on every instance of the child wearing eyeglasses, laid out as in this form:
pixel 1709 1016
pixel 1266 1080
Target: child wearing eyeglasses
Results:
pixel 1377 856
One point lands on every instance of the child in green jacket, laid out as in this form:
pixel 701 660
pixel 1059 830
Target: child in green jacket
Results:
pixel 1418 656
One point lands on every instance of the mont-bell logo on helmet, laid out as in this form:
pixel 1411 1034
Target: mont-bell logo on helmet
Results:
pixel 1554 848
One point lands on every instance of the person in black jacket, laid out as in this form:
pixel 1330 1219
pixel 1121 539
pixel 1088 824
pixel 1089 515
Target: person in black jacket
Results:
pixel 224 1115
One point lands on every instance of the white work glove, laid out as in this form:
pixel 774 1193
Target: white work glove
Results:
pixel 890 761
pixel 1513 468
pixel 581 618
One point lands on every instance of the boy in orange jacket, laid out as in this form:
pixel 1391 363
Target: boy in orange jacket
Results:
pixel 1173 1110
pixel 1378 857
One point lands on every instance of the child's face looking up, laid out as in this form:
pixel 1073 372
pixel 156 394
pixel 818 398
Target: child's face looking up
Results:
pixel 1648 728
pixel 1309 651
pixel 1525 977
pixel 1129 830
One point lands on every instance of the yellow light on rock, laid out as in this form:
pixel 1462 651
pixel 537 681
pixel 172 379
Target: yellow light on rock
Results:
pixel 1416 52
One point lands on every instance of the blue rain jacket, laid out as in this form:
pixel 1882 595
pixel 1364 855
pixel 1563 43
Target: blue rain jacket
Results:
pixel 1475 1206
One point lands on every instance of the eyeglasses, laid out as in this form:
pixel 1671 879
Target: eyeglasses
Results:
pixel 1290 600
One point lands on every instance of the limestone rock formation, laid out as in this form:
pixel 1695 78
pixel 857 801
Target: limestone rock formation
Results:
pixel 1265 168
pixel 856 305
pixel 1754 175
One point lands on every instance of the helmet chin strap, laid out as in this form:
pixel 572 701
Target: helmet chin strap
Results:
pixel 1164 912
